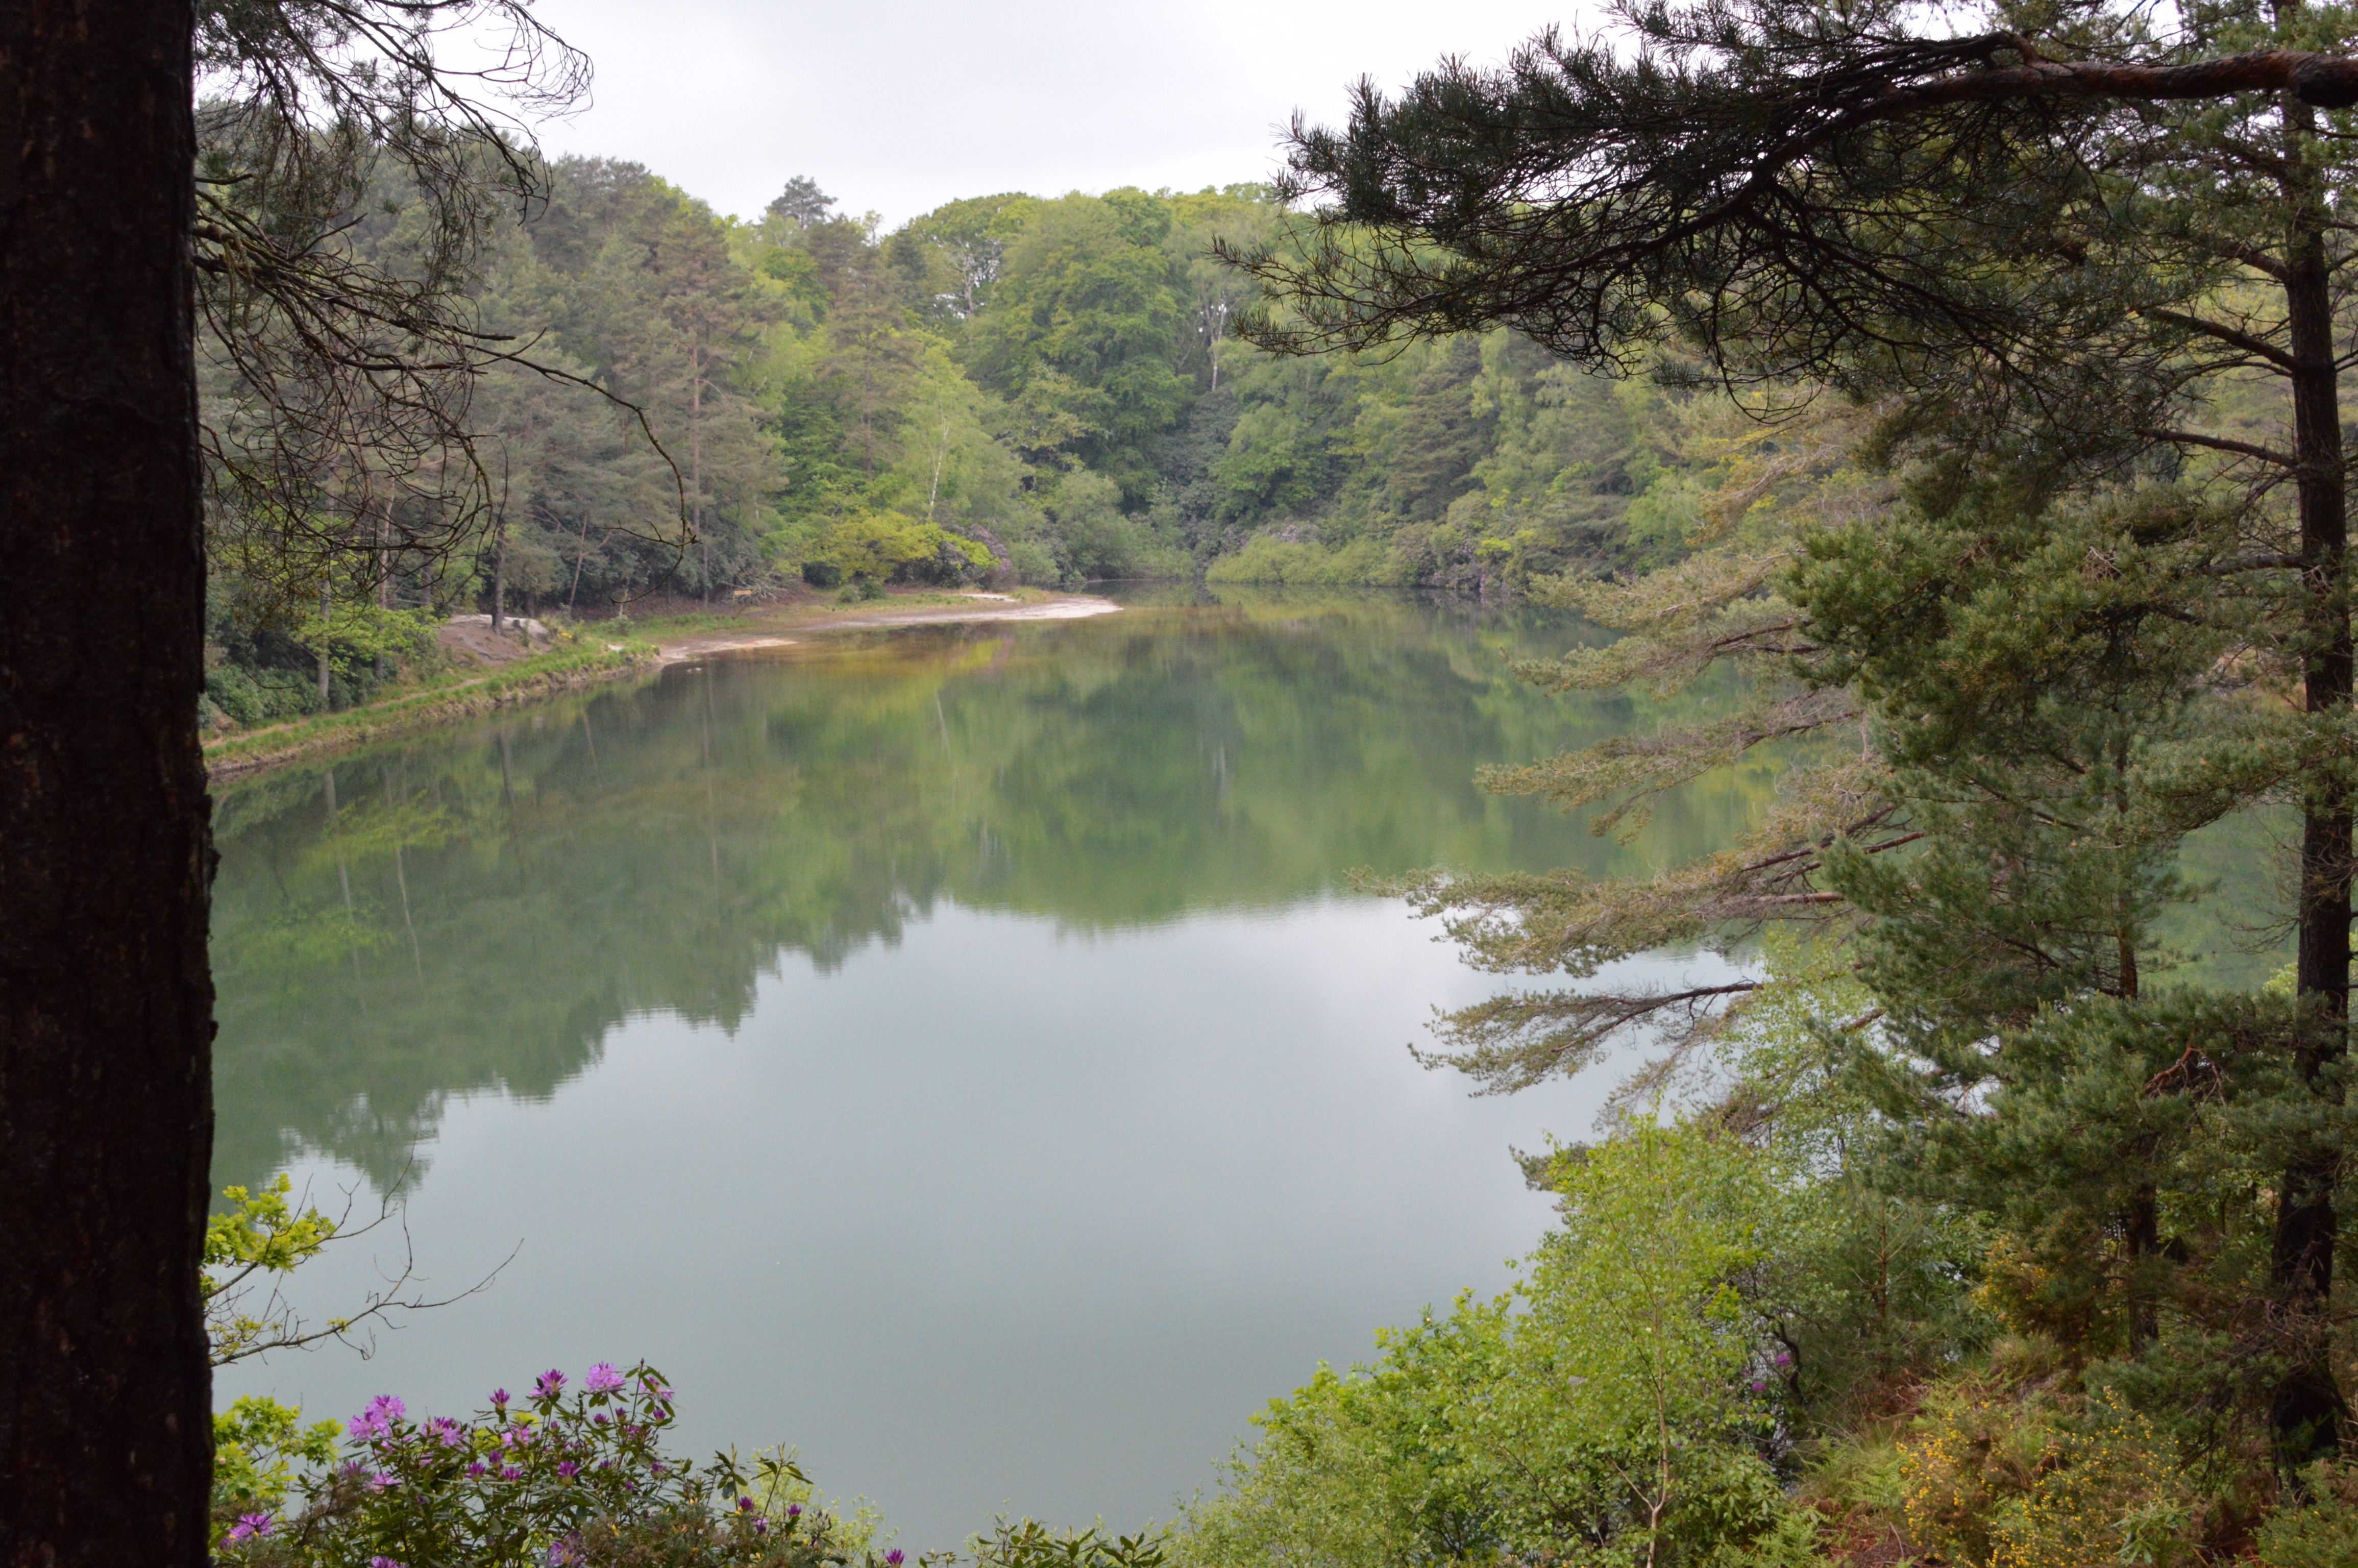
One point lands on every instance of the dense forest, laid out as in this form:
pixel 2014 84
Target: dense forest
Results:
pixel 1006 389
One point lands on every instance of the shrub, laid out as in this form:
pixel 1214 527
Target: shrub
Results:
pixel 1616 1420
pixel 2322 1532
pixel 559 1478
pixel 1029 1544
pixel 1303 564
pixel 1996 1481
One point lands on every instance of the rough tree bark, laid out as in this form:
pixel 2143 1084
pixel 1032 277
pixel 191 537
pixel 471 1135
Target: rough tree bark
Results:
pixel 2308 1412
pixel 106 1004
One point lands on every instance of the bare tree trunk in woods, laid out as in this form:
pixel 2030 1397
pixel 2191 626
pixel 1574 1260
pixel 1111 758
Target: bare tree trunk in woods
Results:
pixel 105 1001
pixel 940 452
pixel 695 452
pixel 581 554
pixel 383 580
pixel 500 574
pixel 327 608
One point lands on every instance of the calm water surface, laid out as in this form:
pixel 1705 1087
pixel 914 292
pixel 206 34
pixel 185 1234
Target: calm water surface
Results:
pixel 956 1053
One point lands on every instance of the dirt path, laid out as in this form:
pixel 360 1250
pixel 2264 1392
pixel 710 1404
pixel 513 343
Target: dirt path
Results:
pixel 985 608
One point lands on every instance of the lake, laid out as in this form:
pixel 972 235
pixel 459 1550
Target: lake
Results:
pixel 958 1052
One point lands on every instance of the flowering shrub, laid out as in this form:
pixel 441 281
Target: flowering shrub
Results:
pixel 559 1477
pixel 1993 1483
pixel 259 1445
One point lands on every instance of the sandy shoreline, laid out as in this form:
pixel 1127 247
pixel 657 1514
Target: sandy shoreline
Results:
pixel 987 608
pixel 491 691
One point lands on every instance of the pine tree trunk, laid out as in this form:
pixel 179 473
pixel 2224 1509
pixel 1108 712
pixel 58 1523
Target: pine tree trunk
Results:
pixel 2306 1413
pixel 105 1002
pixel 500 575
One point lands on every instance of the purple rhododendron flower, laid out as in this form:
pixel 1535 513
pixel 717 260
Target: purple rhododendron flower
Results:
pixel 745 1505
pixel 510 1473
pixel 378 1481
pixel 377 1421
pixel 551 1383
pixel 601 1379
pixel 476 1468
pixel 382 1563
pixel 1784 1357
pixel 248 1526
pixel 761 1526
pixel 893 1557
pixel 793 1510
pixel 1759 1386
pixel 569 1469
pixel 499 1396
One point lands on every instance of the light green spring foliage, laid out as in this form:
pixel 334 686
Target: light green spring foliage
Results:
pixel 259 1445
pixel 261 1449
pixel 1727 1293
pixel 259 1235
pixel 1603 1411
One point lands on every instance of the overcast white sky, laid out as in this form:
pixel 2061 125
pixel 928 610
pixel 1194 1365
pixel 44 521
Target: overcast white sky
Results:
pixel 898 105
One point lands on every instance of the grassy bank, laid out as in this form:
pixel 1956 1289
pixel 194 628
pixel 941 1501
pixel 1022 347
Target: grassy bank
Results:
pixel 462 694
pixel 589 652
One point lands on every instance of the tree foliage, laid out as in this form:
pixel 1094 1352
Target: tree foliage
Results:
pixel 2083 275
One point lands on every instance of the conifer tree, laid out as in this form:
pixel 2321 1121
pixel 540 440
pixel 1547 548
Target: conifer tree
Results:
pixel 2042 240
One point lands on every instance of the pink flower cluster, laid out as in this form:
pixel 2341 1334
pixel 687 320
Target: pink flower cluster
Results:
pixel 376 1422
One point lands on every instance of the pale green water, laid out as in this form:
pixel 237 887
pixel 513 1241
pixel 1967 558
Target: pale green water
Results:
pixel 956 1053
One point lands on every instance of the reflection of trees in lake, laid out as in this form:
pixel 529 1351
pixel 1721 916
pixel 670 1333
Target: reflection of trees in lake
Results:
pixel 476 910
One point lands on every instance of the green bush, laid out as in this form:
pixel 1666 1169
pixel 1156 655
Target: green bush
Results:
pixel 1605 1412
pixel 1304 565
pixel 2320 1530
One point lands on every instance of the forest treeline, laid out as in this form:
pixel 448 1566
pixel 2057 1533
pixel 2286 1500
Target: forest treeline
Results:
pixel 1008 389
pixel 1053 380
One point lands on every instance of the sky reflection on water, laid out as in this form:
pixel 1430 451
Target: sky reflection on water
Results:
pixel 992 1178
